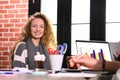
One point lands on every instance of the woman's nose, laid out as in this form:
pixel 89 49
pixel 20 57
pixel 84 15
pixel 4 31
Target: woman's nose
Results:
pixel 38 28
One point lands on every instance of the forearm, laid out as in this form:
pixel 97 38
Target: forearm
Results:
pixel 111 67
pixel 98 65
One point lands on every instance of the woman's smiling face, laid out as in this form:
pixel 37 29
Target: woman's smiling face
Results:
pixel 37 28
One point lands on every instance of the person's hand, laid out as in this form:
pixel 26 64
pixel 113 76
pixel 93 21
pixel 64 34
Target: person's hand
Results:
pixel 71 64
pixel 83 60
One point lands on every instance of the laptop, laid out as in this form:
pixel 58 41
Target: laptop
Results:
pixel 97 49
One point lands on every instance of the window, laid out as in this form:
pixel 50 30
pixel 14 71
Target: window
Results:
pixel 112 20
pixel 80 22
pixel 49 8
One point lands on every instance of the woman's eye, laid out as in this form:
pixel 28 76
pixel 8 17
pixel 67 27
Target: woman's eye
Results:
pixel 33 26
pixel 42 26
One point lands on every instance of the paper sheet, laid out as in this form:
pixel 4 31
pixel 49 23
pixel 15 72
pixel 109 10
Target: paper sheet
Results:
pixel 68 74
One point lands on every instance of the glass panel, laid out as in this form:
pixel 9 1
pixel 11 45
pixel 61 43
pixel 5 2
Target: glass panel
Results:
pixel 79 32
pixel 112 10
pixel 113 20
pixel 49 7
pixel 80 11
pixel 80 22
pixel 113 32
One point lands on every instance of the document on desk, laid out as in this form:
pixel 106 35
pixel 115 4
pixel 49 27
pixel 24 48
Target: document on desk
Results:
pixel 68 74
pixel 14 71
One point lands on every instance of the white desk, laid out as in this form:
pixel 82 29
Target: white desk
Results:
pixel 28 75
pixel 41 77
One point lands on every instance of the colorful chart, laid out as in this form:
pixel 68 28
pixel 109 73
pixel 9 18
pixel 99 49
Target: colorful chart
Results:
pixel 98 55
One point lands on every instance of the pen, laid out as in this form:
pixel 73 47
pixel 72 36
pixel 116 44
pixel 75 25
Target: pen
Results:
pixel 8 73
pixel 9 70
pixel 1 72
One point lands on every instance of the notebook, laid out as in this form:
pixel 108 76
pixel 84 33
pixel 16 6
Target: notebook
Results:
pixel 99 50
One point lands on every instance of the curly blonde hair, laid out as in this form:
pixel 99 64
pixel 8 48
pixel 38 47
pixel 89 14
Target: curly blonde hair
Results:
pixel 48 39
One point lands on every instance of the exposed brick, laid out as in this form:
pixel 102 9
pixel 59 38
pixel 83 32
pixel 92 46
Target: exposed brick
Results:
pixel 3 58
pixel 1 25
pixel 3 11
pixel 8 34
pixel 24 1
pixel 3 2
pixel 7 44
pixel 3 20
pixel 23 10
pixel 14 1
pixel 0 34
pixel 25 20
pixel 1 7
pixel 1 53
pixel 0 63
pixel 15 20
pixel 13 11
pixel 3 29
pixel 8 25
pixel 13 16
pixel 8 15
pixel 0 43
pixel 3 39
pixel 6 53
pixel 3 49
pixel 13 39
pixel 9 6
pixel 4 66
pixel 1 16
pixel 21 6
pixel 17 34
pixel 6 62
pixel 19 24
pixel 14 30
pixel 21 15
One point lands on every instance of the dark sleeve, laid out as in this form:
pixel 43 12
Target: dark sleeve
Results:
pixel 20 55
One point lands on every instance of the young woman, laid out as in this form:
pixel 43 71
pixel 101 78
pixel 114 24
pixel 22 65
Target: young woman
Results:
pixel 36 37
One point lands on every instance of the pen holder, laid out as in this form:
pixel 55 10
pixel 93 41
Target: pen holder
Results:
pixel 56 62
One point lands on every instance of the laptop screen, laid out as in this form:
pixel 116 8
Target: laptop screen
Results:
pixel 97 49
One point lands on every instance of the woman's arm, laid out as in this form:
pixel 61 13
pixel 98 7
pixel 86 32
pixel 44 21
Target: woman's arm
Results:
pixel 20 55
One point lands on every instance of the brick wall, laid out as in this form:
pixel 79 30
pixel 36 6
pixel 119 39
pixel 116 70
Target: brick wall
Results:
pixel 13 16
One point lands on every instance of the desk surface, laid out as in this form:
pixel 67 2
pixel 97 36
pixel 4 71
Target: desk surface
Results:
pixel 40 77
pixel 57 76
